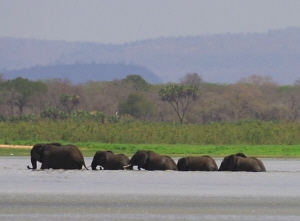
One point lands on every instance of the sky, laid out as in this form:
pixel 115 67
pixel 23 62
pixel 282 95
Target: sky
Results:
pixel 122 21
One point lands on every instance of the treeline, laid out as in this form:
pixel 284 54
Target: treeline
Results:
pixel 134 99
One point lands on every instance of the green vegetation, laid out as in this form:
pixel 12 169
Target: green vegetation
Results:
pixel 69 102
pixel 254 116
pixel 129 130
pixel 255 97
pixel 20 90
pixel 137 106
pixel 88 149
pixel 250 137
pixel 179 97
pixel 139 83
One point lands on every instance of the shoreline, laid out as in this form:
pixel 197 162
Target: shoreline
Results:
pixel 283 152
pixel 8 146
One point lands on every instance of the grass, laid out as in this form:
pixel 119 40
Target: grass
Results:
pixel 238 133
pixel 253 138
pixel 88 149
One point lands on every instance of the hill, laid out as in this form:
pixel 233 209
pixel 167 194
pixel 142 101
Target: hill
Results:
pixel 223 58
pixel 80 73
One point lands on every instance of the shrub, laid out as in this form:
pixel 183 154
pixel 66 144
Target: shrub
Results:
pixel 54 114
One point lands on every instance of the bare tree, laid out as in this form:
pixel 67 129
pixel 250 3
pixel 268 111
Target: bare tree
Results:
pixel 192 79
pixel 243 99
pixel 258 80
pixel 297 83
pixel 294 104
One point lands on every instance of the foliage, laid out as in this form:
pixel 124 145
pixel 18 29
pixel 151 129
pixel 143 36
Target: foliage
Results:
pixel 114 119
pixel 53 113
pixel 81 115
pixel 255 97
pixel 138 82
pixel 126 119
pixel 180 97
pixel 24 117
pixel 22 90
pixel 2 118
pixel 137 106
pixel 69 102
pixel 137 132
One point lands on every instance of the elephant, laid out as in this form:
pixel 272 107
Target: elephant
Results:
pixel 149 160
pixel 56 156
pixel 109 161
pixel 239 162
pixel 204 163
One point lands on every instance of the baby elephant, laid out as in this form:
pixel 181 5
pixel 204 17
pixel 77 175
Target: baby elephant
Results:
pixel 109 161
pixel 204 163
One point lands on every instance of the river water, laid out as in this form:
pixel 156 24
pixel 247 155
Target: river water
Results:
pixel 149 195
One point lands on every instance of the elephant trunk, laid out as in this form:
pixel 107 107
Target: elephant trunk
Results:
pixel 225 166
pixel 33 162
pixel 94 166
pixel 221 168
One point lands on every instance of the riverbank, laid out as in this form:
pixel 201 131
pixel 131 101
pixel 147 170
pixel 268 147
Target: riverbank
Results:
pixel 89 149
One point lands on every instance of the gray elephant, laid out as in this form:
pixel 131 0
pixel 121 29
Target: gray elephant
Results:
pixel 204 163
pixel 109 161
pixel 56 156
pixel 239 162
pixel 149 160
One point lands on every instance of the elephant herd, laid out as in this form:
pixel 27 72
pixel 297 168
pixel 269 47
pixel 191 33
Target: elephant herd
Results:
pixel 57 156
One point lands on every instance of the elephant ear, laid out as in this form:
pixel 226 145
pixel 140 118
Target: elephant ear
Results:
pixel 241 155
pixel 109 151
pixel 102 158
pixel 37 152
pixel 183 163
pixel 143 157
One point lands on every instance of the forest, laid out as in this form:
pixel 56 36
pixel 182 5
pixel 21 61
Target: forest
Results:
pixel 132 98
pixel 254 111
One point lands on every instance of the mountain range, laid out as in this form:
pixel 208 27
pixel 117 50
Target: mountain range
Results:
pixel 222 58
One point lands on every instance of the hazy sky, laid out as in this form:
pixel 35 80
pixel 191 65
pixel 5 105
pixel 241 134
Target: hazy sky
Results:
pixel 119 21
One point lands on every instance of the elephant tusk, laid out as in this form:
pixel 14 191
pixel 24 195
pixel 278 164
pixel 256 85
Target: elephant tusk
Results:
pixel 125 167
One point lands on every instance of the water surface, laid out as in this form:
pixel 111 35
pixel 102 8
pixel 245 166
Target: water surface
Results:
pixel 145 195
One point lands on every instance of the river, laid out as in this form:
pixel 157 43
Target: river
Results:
pixel 149 195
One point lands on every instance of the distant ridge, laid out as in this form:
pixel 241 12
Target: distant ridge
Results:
pixel 81 73
pixel 221 58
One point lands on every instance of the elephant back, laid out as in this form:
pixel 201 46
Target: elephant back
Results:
pixel 149 160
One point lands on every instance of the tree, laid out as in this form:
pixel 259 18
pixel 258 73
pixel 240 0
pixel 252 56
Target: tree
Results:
pixel 245 100
pixel 1 78
pixel 192 79
pixel 137 106
pixel 258 80
pixel 138 82
pixel 21 91
pixel 180 97
pixel 297 83
pixel 69 102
